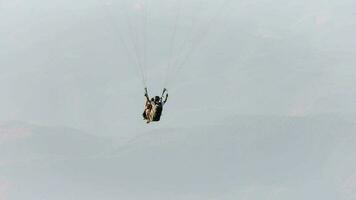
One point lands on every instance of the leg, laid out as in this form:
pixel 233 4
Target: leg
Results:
pixel 148 118
pixel 144 115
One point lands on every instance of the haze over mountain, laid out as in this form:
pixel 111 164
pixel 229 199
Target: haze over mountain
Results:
pixel 251 157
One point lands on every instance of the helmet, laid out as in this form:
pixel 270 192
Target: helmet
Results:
pixel 157 98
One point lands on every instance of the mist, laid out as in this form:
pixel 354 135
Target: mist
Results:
pixel 262 73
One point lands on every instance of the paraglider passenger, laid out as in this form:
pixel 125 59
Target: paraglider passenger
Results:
pixel 148 107
pixel 154 107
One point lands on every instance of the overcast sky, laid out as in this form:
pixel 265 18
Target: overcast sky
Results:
pixel 264 107
pixel 62 62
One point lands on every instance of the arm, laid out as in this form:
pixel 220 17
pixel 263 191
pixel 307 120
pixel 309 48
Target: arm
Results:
pixel 147 98
pixel 164 92
pixel 165 99
pixel 146 95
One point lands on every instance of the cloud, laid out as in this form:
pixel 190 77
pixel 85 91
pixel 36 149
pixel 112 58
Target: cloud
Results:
pixel 4 189
pixel 138 6
pixel 13 133
pixel 349 187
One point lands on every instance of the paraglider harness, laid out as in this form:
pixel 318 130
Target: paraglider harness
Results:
pixel 156 106
pixel 157 112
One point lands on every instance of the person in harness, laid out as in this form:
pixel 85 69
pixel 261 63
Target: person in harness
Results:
pixel 154 106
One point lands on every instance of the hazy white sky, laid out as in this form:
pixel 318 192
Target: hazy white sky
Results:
pixel 263 109
pixel 62 62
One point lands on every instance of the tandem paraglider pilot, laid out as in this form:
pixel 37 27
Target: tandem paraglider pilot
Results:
pixel 154 106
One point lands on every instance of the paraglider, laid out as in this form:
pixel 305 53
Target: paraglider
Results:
pixel 154 106
pixel 189 22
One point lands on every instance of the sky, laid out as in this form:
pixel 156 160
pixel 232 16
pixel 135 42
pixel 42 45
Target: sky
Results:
pixel 280 66
pixel 63 63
